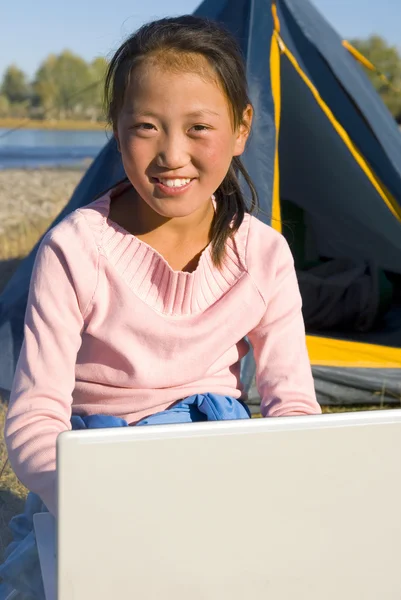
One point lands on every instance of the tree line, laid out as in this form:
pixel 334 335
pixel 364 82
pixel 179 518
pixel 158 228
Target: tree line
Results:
pixel 387 60
pixel 66 86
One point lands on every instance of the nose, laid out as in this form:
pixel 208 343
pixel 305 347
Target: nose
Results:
pixel 172 152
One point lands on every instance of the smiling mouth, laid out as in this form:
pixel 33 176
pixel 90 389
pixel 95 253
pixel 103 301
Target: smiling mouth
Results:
pixel 173 183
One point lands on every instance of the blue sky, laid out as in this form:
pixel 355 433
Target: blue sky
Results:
pixel 30 30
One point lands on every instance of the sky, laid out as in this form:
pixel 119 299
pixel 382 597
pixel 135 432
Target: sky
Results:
pixel 31 30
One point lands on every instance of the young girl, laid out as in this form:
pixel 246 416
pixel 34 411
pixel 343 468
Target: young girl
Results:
pixel 144 297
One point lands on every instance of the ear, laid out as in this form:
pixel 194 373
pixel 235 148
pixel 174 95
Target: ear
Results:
pixel 115 133
pixel 243 131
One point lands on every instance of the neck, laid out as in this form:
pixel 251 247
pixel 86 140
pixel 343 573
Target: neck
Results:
pixel 196 225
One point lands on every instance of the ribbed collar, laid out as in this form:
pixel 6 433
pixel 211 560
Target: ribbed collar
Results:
pixel 150 277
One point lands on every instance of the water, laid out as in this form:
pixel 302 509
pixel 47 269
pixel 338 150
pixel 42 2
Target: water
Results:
pixel 32 148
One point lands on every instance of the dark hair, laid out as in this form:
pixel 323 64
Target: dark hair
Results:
pixel 193 35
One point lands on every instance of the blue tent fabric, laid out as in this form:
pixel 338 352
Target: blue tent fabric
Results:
pixel 343 216
pixel 322 67
pixel 21 569
pixel 316 29
pixel 252 24
pixel 235 16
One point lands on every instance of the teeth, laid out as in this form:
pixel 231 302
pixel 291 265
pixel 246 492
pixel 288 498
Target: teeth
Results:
pixel 174 182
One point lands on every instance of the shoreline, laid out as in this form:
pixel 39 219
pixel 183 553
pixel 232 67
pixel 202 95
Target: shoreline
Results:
pixel 81 166
pixel 53 124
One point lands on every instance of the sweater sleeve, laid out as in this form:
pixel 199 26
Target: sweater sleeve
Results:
pixel 283 373
pixel 62 286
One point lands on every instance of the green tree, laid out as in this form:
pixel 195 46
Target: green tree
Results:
pixel 97 70
pixel 15 85
pixel 4 106
pixel 387 61
pixel 45 87
pixel 61 82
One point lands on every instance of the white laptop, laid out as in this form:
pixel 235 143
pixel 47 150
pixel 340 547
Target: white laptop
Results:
pixel 304 508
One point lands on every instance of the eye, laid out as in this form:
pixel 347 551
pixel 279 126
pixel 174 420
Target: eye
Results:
pixel 144 126
pixel 199 128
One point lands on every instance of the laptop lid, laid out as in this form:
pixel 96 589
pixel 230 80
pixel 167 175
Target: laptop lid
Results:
pixel 302 507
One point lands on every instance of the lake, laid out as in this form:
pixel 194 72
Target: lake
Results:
pixel 32 148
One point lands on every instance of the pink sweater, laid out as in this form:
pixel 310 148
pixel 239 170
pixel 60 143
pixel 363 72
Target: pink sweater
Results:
pixel 110 328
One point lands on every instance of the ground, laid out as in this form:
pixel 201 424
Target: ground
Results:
pixel 12 492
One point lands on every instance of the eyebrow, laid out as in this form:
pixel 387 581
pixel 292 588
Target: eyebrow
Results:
pixel 201 112
pixel 196 113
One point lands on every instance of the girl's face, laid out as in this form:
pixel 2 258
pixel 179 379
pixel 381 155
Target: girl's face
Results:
pixel 176 137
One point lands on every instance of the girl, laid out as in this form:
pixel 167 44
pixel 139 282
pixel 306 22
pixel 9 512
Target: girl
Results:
pixel 144 297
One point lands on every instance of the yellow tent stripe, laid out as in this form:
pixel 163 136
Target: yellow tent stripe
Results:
pixel 388 199
pixel 359 57
pixel 369 65
pixel 276 92
pixel 328 352
pixel 276 20
pixel 323 351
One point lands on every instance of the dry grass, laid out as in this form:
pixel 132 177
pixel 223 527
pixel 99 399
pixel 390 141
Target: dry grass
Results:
pixel 17 243
pixel 29 202
pixel 12 492
pixel 54 124
pixel 21 237
pixel 356 408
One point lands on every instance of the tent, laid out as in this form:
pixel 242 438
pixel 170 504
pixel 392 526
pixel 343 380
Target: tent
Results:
pixel 325 155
